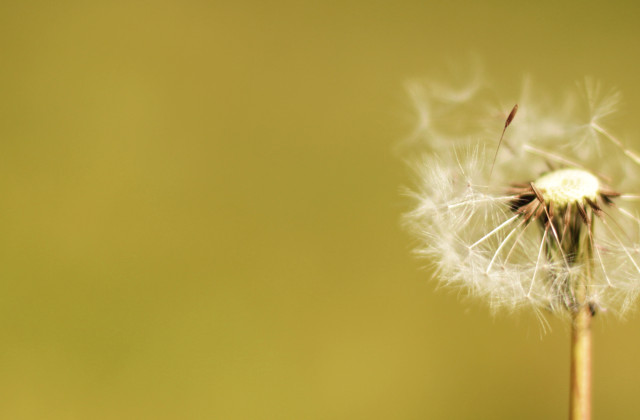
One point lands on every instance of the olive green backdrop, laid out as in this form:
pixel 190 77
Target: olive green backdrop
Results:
pixel 199 212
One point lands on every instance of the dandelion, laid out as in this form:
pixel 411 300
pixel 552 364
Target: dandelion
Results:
pixel 552 227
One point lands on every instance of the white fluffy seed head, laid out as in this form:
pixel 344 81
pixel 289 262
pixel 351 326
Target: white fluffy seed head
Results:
pixel 565 186
pixel 464 219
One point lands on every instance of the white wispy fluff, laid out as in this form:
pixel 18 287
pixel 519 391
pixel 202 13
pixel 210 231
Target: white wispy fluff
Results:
pixel 507 244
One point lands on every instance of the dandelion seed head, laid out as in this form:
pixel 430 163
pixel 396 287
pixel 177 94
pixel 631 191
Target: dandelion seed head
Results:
pixel 547 229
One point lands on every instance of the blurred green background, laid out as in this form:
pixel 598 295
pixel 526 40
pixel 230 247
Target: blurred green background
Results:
pixel 200 212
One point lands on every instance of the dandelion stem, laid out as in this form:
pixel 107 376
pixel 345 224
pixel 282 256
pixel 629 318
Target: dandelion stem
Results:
pixel 580 400
pixel 581 315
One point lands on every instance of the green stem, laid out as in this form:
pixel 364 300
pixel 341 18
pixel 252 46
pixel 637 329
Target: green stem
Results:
pixel 580 402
